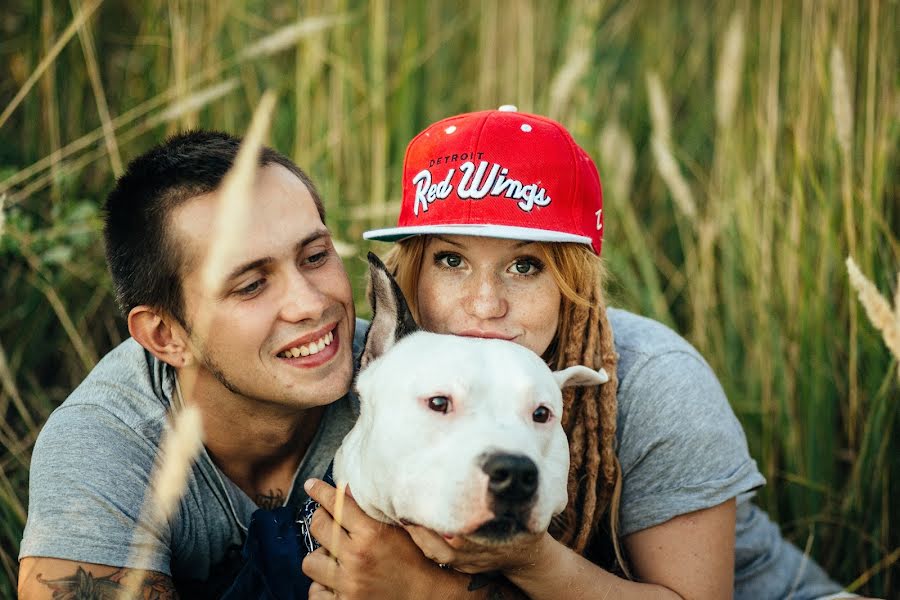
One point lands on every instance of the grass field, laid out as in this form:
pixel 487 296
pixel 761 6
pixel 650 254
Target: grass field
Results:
pixel 746 150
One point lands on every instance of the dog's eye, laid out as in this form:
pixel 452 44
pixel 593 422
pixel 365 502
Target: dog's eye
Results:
pixel 541 414
pixel 439 404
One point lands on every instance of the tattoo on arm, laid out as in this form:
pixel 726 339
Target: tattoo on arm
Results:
pixel 271 499
pixel 87 586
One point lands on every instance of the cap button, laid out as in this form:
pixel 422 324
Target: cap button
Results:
pixel 508 108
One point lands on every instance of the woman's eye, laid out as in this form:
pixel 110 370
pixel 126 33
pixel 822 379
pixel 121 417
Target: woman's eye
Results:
pixel 439 404
pixel 541 414
pixel 449 260
pixel 526 266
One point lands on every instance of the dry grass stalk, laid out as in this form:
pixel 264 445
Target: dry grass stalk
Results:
pixel 661 144
pixel 61 42
pixel 566 79
pixel 235 194
pixel 289 35
pixel 268 45
pixel 731 65
pixel 2 213
pixel 178 451
pixel 179 448
pixel 671 174
pixel 197 100
pixel 618 160
pixel 93 70
pixel 878 309
pixel 841 103
pixel 659 108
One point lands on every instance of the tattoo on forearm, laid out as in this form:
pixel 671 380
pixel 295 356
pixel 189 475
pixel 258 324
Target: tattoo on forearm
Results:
pixel 270 500
pixel 87 586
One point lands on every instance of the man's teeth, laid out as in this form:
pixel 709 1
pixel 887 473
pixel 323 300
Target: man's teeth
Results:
pixel 310 348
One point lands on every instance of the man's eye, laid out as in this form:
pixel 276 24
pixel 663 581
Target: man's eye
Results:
pixel 251 288
pixel 448 259
pixel 317 257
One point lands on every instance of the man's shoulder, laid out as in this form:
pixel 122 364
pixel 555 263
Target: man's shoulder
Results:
pixel 127 386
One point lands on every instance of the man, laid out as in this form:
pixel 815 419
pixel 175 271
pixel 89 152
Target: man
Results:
pixel 269 370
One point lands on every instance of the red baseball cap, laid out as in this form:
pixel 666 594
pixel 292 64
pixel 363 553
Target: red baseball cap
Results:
pixel 499 173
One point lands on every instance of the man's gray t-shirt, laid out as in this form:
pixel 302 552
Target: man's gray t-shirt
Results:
pixel 682 449
pixel 92 462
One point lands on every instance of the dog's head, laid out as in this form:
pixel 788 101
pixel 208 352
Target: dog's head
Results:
pixel 460 435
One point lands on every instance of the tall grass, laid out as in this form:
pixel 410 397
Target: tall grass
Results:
pixel 746 150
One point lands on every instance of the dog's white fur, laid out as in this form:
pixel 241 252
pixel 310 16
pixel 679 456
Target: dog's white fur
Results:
pixel 407 463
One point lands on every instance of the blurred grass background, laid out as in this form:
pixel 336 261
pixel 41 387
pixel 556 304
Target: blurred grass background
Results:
pixel 746 149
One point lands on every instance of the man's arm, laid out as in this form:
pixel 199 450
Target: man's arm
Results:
pixel 41 578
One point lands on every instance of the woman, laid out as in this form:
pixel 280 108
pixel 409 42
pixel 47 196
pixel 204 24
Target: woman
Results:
pixel 499 235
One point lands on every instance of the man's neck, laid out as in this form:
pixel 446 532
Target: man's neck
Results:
pixel 258 445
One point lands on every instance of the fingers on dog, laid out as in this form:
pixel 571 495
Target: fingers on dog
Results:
pixel 326 530
pixel 339 504
pixel 320 592
pixel 322 568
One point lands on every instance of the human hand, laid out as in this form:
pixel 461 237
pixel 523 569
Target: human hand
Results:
pixel 361 557
pixel 470 557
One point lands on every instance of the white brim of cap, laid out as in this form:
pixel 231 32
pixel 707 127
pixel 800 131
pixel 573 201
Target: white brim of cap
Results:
pixel 396 234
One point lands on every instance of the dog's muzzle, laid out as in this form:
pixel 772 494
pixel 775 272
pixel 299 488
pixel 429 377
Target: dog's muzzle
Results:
pixel 512 478
pixel 512 489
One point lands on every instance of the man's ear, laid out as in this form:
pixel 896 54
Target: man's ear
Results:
pixel 391 317
pixel 579 375
pixel 161 335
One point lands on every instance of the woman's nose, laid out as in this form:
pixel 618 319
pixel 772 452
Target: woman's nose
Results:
pixel 302 299
pixel 486 299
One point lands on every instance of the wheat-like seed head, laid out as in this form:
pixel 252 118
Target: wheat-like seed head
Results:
pixel 234 196
pixel 179 448
pixel 877 308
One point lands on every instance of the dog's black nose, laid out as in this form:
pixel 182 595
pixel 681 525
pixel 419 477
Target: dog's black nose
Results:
pixel 511 477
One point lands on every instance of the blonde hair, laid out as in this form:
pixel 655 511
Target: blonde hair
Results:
pixel 584 337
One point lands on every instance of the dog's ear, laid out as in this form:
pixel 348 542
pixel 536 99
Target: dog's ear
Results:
pixel 580 375
pixel 391 317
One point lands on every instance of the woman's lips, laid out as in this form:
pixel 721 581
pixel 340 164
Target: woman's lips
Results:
pixel 492 335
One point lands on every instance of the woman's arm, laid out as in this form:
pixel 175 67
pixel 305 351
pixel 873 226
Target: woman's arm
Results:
pixel 690 556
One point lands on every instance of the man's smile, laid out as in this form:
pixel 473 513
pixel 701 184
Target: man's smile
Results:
pixel 313 349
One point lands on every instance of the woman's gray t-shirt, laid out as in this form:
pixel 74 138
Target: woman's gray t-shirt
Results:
pixel 682 449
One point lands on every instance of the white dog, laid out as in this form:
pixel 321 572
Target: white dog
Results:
pixel 459 435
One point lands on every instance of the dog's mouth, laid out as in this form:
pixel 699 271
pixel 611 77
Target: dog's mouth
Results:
pixel 501 529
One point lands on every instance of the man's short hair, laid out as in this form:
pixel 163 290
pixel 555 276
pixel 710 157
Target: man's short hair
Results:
pixel 144 258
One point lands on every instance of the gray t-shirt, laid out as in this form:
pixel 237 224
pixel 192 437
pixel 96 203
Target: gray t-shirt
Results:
pixel 682 449
pixel 680 446
pixel 92 462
